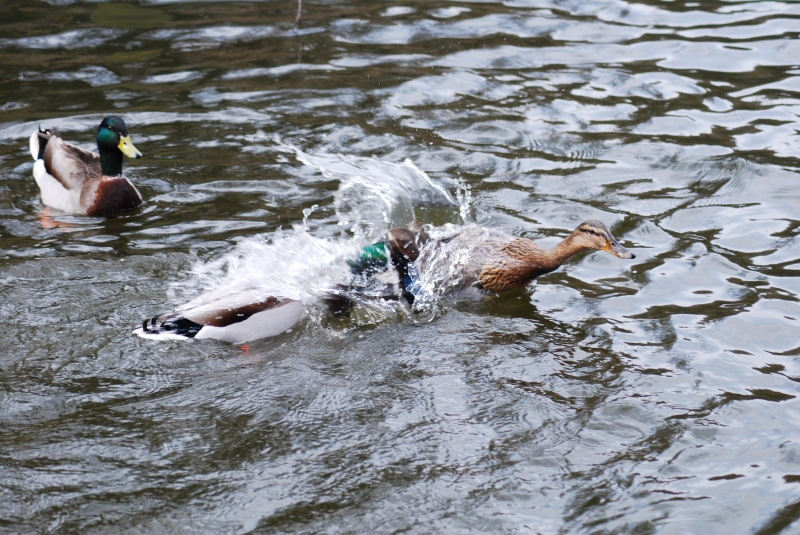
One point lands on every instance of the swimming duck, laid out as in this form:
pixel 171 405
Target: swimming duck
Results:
pixel 473 256
pixel 494 261
pixel 84 182
pixel 227 314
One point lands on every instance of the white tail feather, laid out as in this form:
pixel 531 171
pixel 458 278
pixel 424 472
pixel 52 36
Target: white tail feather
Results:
pixel 34 145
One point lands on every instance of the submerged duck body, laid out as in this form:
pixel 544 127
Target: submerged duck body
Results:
pixel 467 258
pixel 83 182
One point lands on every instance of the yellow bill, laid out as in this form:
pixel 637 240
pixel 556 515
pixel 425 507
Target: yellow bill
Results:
pixel 127 148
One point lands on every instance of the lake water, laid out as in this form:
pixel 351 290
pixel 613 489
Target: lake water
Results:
pixel 655 395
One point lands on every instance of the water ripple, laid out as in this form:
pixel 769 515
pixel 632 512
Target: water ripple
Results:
pixel 639 396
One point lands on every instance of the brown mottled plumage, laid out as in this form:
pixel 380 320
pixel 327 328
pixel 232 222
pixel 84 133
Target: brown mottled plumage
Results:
pixel 495 261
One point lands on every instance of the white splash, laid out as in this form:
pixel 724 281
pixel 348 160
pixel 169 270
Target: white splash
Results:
pixel 293 265
pixel 440 273
pixel 374 195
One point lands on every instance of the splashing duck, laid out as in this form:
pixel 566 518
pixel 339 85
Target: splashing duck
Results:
pixel 83 182
pixel 489 260
pixel 226 314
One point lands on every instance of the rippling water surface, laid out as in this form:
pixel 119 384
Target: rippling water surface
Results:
pixel 657 395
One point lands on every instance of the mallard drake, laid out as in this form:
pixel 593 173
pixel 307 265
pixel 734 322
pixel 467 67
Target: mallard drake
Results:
pixel 84 182
pixel 468 257
pixel 227 314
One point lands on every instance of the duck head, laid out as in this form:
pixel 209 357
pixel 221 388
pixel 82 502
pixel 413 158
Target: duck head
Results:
pixel 113 132
pixel 593 234
pixel 113 141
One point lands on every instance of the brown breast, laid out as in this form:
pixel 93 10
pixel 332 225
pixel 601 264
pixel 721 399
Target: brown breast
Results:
pixel 109 196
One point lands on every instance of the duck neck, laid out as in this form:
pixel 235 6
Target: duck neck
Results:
pixel 562 252
pixel 111 161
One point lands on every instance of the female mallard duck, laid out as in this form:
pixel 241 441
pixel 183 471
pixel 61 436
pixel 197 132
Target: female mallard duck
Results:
pixel 84 182
pixel 494 261
pixel 469 257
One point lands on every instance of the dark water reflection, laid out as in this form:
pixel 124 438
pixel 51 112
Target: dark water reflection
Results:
pixel 654 396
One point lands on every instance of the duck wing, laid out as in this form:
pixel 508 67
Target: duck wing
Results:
pixel 513 264
pixel 68 164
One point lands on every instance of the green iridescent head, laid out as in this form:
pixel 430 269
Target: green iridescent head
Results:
pixel 371 259
pixel 113 141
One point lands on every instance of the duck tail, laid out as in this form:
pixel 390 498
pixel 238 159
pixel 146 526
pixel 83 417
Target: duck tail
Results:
pixel 168 326
pixel 39 139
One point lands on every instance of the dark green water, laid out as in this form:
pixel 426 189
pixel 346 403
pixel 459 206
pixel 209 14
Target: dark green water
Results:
pixel 657 395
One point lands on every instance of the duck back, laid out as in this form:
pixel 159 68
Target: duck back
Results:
pixel 70 165
pixel 452 263
pixel 482 258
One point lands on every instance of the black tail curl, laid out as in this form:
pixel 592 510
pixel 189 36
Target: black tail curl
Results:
pixel 174 324
pixel 44 137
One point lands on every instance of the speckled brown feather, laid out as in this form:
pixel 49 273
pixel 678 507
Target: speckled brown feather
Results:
pixel 460 258
pixel 494 261
pixel 512 265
